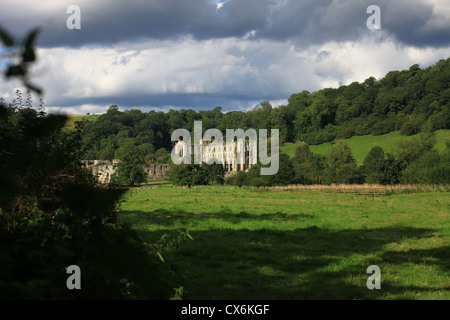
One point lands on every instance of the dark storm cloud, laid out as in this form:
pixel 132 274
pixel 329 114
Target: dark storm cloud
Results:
pixel 132 20
pixel 178 101
pixel 408 21
pixel 108 21
pixel 305 21
pixel 319 21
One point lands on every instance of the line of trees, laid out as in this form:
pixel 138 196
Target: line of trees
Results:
pixel 415 161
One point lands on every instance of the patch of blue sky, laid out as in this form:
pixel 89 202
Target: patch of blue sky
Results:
pixel 220 3
pixel 5 57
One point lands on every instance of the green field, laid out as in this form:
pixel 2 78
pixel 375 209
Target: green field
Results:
pixel 290 245
pixel 361 145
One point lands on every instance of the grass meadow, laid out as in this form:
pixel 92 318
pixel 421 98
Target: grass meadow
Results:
pixel 265 245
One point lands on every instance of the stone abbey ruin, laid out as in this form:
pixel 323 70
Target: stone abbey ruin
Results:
pixel 104 169
pixel 241 156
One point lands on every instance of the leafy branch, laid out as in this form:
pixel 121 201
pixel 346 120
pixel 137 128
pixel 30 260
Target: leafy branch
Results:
pixel 167 242
pixel 27 54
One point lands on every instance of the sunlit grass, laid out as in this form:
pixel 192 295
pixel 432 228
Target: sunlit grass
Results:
pixel 70 123
pixel 298 245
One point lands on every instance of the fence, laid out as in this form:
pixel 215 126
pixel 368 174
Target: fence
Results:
pixel 364 189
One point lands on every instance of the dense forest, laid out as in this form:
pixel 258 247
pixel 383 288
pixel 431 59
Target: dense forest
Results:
pixel 409 101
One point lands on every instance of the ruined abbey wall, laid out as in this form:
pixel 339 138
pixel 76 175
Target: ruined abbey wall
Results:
pixel 104 169
pixel 156 172
pixel 237 157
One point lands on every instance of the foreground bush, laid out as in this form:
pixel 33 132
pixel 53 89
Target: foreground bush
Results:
pixel 52 215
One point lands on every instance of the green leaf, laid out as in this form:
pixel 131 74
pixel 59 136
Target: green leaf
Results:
pixel 29 40
pixel 28 44
pixel 33 87
pixel 160 256
pixel 6 38
pixel 15 71
pixel 28 54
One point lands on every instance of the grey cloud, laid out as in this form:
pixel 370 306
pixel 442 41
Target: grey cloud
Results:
pixel 305 21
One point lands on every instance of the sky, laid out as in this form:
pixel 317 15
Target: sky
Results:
pixel 200 54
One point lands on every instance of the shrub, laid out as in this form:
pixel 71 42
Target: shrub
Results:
pixel 340 164
pixel 347 174
pixel 411 127
pixel 321 137
pixel 229 180
pixel 239 179
pixel 346 132
pixel 285 174
pixel 430 168
pixel 381 127
pixel 412 149
pixel 362 129
pixel 433 123
pixel 258 182
pixel 373 166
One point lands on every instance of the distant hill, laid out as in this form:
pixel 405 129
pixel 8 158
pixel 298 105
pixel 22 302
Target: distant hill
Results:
pixel 361 145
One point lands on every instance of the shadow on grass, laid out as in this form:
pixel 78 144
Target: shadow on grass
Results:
pixel 310 263
pixel 164 217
